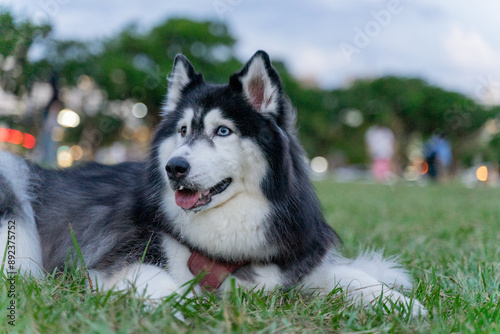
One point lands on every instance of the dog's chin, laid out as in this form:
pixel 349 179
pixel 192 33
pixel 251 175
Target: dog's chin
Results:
pixel 195 199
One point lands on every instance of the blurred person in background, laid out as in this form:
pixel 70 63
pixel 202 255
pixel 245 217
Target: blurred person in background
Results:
pixel 46 150
pixel 380 142
pixel 437 152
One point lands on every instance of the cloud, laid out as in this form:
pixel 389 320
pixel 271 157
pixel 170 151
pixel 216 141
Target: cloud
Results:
pixel 449 42
pixel 469 50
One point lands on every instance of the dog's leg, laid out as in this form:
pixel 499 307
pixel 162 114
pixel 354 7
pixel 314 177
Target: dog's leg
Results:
pixel 149 281
pixel 365 280
pixel 19 239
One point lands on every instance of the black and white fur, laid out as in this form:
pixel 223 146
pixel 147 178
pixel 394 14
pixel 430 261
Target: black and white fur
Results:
pixel 238 138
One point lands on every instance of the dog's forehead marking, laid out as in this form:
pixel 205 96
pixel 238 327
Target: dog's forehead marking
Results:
pixel 198 113
pixel 195 117
pixel 187 117
pixel 214 119
pixel 192 118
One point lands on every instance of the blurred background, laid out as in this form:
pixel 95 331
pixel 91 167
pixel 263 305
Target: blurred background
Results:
pixel 385 90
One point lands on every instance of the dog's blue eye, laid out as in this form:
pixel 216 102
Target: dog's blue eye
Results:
pixel 223 131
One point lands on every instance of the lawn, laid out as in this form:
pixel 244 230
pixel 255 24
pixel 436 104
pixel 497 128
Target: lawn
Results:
pixel 448 237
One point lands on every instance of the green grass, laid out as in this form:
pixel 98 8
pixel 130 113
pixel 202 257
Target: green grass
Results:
pixel 448 237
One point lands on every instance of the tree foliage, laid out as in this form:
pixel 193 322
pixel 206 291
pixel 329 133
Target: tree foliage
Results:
pixel 16 39
pixel 134 65
pixel 405 105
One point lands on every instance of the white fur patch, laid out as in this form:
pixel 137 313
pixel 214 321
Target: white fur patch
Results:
pixel 26 250
pixel 178 79
pixel 186 119
pixel 16 172
pixel 386 270
pixel 23 232
pixel 232 230
pixel 164 152
pixel 170 144
pixel 178 257
pixel 361 284
pixel 148 280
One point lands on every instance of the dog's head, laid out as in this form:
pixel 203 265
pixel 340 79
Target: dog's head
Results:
pixel 218 141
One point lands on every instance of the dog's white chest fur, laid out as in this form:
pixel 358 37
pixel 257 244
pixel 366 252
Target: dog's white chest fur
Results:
pixel 233 230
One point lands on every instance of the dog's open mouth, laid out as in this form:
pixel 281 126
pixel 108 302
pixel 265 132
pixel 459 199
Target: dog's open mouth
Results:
pixel 191 198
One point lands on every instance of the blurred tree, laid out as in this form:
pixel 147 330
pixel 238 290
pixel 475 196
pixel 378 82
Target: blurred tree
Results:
pixel 135 65
pixel 16 39
pixel 404 105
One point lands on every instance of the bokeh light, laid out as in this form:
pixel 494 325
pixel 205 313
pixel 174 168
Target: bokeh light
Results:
pixel 353 118
pixel 319 165
pixel 64 157
pixel 424 167
pixel 143 134
pixel 68 118
pixel 139 110
pixel 128 132
pixel 76 152
pixel 85 82
pixel 11 136
pixel 28 141
pixel 482 173
pixel 16 137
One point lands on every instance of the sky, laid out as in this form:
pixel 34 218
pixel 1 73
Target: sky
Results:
pixel 454 44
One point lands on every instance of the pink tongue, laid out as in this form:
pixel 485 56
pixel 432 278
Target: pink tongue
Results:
pixel 186 199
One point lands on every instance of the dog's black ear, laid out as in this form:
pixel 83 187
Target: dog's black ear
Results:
pixel 182 76
pixel 260 84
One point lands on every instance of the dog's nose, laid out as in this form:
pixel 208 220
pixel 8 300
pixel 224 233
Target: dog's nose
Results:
pixel 177 168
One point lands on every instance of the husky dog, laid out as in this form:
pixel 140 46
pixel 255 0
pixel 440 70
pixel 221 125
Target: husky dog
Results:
pixel 225 192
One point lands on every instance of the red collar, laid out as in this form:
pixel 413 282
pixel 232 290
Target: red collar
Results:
pixel 215 272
